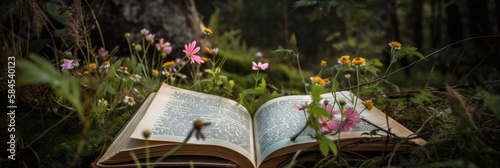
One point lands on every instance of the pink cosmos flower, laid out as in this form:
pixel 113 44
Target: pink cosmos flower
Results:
pixel 163 47
pixel 150 38
pixel 328 125
pixel 190 49
pixel 351 118
pixel 329 108
pixel 299 107
pixel 257 66
pixel 68 64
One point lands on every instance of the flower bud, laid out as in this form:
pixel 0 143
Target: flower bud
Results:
pixel 146 134
pixel 347 76
pixel 138 48
pixel 342 102
pixel 127 35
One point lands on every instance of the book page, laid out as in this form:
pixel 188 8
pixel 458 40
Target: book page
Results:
pixel 277 120
pixel 171 114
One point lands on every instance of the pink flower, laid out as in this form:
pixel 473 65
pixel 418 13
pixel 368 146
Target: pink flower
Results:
pixel 257 66
pixel 150 38
pixel 351 118
pixel 144 32
pixel 68 64
pixel 190 49
pixel 329 108
pixel 299 107
pixel 102 52
pixel 163 47
pixel 328 125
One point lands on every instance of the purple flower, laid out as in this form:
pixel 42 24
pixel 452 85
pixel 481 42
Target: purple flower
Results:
pixel 257 66
pixel 102 52
pixel 164 47
pixel 258 54
pixel 191 50
pixel 68 64
pixel 351 118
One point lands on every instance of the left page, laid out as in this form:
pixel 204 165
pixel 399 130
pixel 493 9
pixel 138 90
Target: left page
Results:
pixel 171 114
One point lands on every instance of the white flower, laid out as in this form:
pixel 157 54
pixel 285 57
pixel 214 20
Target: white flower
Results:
pixel 129 100
pixel 103 102
pixel 135 77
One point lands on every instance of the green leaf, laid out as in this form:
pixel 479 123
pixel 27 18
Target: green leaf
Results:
pixel 37 45
pixel 335 85
pixel 424 96
pixel 55 11
pixel 304 3
pixel 316 92
pixel 293 43
pixel 492 102
pixel 262 86
pixel 333 147
pixel 210 71
pixel 317 110
pixel 406 52
pixel 323 146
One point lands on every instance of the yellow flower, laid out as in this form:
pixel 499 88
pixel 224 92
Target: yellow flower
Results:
pixel 155 72
pixel 359 61
pixel 344 60
pixel 344 111
pixel 396 45
pixel 168 64
pixel 92 65
pixel 207 31
pixel 320 81
pixel 323 63
pixel 369 104
pixel 86 73
pixel 205 59
pixel 207 50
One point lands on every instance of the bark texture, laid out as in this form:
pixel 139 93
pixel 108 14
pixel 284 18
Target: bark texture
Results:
pixel 177 21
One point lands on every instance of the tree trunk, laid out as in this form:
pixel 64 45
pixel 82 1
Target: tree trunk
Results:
pixel 479 21
pixel 417 22
pixel 454 25
pixel 177 21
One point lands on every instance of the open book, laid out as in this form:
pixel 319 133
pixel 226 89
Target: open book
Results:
pixel 234 138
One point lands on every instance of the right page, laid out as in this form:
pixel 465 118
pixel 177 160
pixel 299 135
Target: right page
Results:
pixel 277 120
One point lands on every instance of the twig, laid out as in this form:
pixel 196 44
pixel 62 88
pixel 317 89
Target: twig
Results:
pixel 413 63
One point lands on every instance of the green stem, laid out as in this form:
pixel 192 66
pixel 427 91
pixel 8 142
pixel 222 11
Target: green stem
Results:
pixel 359 83
pixel 170 152
pixel 146 142
pixel 390 64
pixel 301 130
pixel 301 74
